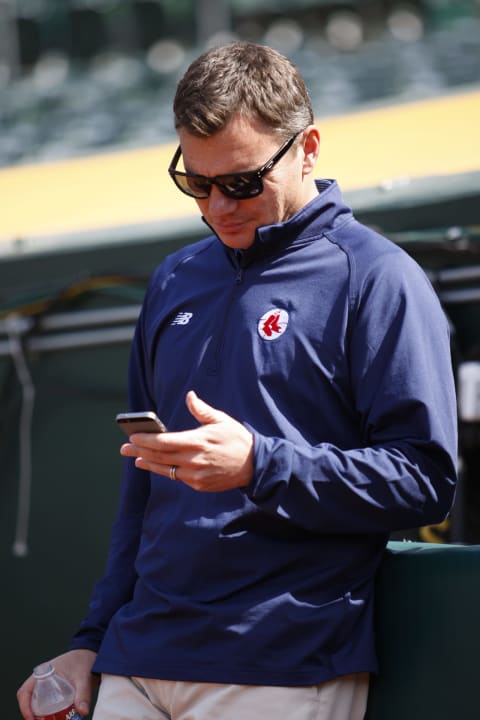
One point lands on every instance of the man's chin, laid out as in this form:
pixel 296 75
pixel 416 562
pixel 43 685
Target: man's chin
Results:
pixel 236 240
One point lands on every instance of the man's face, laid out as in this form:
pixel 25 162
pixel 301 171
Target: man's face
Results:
pixel 245 144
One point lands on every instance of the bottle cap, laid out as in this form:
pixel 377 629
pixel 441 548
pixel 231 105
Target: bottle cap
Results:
pixel 43 670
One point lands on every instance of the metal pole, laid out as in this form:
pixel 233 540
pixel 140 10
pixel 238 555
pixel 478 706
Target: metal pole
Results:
pixel 44 340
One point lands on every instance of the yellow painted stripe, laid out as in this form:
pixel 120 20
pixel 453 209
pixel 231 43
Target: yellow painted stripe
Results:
pixel 435 137
pixel 361 149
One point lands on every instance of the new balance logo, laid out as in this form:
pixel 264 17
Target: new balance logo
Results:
pixel 183 318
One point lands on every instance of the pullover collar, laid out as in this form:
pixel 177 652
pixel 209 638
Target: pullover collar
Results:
pixel 318 216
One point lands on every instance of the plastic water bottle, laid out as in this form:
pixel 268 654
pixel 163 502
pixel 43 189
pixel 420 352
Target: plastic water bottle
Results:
pixel 53 696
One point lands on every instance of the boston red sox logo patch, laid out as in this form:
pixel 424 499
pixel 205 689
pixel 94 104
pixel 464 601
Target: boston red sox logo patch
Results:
pixel 273 324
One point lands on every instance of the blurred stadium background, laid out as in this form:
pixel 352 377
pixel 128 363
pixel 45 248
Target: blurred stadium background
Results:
pixel 78 76
pixel 87 211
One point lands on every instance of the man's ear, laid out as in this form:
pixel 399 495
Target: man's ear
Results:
pixel 311 148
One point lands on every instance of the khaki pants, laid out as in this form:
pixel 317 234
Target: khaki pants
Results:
pixel 122 698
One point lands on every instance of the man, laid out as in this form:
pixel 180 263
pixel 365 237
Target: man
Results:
pixel 301 364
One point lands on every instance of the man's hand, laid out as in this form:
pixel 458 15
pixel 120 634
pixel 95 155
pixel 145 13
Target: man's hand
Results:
pixel 216 456
pixel 75 666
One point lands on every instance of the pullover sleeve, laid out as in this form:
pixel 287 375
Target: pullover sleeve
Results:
pixel 116 587
pixel 402 472
pixel 118 582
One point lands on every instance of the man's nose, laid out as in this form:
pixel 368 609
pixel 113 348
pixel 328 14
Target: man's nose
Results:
pixel 218 203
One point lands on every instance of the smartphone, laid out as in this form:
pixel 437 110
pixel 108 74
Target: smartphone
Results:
pixel 136 422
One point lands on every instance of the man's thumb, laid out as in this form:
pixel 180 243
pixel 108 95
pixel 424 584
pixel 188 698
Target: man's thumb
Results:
pixel 200 410
pixel 83 694
pixel 82 697
pixel 83 707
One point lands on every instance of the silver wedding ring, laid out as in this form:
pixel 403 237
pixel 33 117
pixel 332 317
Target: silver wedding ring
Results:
pixel 173 470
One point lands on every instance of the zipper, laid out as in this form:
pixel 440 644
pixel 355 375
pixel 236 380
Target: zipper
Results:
pixel 215 367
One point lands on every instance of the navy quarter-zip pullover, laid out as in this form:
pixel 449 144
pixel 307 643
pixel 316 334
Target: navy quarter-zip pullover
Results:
pixel 328 342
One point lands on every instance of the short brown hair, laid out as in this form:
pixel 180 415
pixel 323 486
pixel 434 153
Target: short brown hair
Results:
pixel 242 78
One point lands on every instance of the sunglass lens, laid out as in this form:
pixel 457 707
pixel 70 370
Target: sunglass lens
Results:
pixel 197 186
pixel 191 185
pixel 241 186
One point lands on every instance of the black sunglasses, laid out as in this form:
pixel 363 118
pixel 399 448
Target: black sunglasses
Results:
pixel 240 186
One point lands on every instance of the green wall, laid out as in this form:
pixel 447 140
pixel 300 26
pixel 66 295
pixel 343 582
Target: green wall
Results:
pixel 74 441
